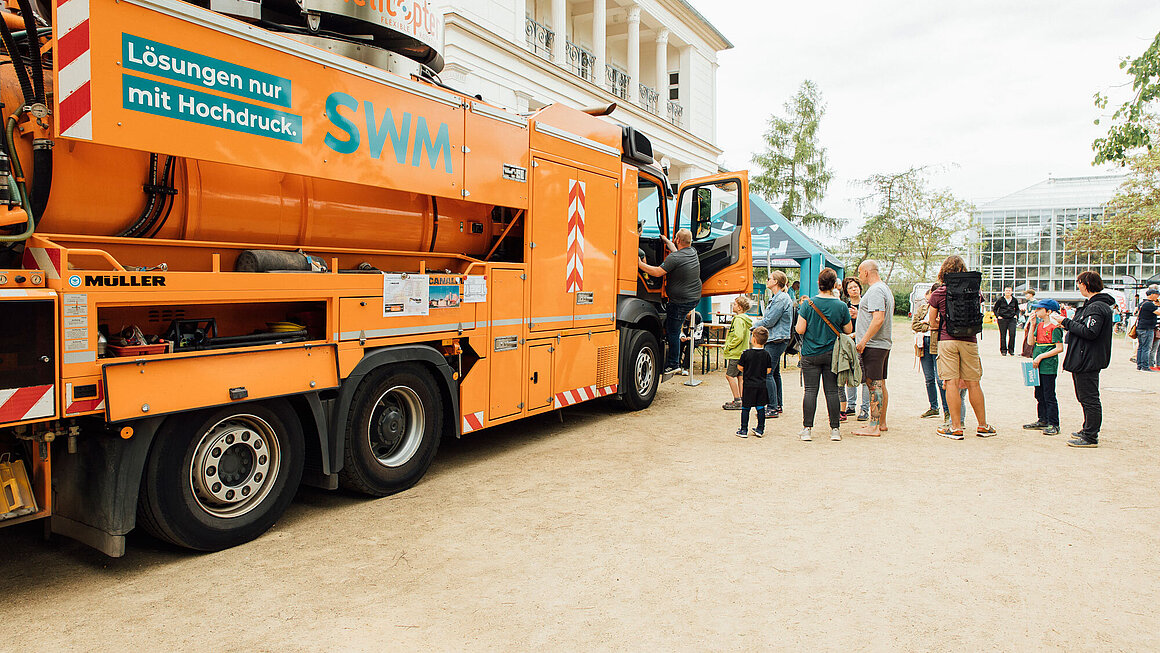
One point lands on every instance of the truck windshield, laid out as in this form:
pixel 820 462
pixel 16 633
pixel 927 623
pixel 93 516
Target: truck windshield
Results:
pixel 648 209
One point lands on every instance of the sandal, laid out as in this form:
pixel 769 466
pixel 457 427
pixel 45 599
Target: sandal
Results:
pixel 985 431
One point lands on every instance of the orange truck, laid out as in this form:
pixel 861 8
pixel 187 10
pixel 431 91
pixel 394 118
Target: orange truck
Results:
pixel 238 254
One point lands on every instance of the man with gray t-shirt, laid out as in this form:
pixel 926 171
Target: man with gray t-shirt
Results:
pixel 682 272
pixel 873 338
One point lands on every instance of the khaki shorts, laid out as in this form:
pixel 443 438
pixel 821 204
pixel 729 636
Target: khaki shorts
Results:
pixel 959 360
pixel 731 367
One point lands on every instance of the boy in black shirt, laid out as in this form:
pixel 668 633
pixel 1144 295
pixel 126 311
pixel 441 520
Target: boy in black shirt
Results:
pixel 754 366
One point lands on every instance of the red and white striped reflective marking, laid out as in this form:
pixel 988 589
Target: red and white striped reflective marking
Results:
pixel 75 76
pixel 472 422
pixel 574 277
pixel 578 395
pixel 40 258
pixel 19 404
pixel 83 405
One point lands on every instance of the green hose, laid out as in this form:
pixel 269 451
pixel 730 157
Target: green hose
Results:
pixel 9 140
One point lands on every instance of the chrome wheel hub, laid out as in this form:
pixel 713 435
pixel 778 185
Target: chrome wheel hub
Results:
pixel 234 466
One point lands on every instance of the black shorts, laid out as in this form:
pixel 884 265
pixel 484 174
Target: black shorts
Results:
pixel 875 363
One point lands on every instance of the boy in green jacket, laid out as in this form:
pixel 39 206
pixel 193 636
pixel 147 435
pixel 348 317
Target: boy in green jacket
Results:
pixel 736 342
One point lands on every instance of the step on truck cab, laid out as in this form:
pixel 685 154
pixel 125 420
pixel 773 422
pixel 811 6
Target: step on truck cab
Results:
pixel 239 254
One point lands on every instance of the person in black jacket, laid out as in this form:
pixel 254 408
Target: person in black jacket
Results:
pixel 1089 350
pixel 1006 311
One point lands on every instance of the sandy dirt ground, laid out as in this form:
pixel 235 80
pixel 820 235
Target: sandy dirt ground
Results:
pixel 662 530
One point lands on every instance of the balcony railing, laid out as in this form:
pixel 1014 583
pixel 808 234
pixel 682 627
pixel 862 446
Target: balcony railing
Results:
pixel 539 37
pixel 617 81
pixel 649 98
pixel 676 113
pixel 581 62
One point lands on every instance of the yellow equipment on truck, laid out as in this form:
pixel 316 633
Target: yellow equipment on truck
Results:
pixel 238 253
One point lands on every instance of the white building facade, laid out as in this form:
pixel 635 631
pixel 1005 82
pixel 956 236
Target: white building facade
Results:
pixel 657 59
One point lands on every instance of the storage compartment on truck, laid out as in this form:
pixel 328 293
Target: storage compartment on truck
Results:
pixel 27 360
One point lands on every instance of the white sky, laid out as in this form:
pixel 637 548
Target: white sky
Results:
pixel 998 91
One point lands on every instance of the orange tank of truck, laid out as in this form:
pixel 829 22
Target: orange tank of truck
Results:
pixel 238 255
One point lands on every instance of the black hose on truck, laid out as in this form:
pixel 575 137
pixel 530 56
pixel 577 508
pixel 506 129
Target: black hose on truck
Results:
pixel 33 52
pixel 17 61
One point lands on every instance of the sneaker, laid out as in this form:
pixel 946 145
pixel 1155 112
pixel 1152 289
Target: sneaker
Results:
pixel 805 435
pixel 949 432
pixel 933 412
pixel 684 372
pixel 671 370
pixel 864 417
pixel 1036 426
pixel 770 413
pixel 732 405
pixel 757 434
pixel 946 418
pixel 835 435
pixel 1051 430
pixel 742 433
pixel 842 417
pixel 851 410
pixel 1082 443
pixel 985 431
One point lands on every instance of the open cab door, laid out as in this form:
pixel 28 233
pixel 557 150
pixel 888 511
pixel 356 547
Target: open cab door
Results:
pixel 716 210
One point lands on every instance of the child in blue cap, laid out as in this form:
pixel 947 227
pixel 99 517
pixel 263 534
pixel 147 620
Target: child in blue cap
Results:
pixel 1047 342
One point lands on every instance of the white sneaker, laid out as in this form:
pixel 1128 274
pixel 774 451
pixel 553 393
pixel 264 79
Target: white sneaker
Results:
pixel 835 435
pixel 805 435
pixel 684 372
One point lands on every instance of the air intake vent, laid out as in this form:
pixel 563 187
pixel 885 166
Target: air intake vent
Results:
pixel 605 366
pixel 166 315
pixel 637 147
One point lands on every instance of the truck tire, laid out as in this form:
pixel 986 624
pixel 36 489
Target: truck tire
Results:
pixel 393 430
pixel 216 478
pixel 641 371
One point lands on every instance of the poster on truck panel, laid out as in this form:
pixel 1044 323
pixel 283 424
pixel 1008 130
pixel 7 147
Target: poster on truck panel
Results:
pixel 177 79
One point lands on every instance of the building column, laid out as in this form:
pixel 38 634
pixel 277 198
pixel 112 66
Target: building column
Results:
pixel 600 40
pixel 662 85
pixel 560 27
pixel 520 13
pixel 634 54
pixel 685 87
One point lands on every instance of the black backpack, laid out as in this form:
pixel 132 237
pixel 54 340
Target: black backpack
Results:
pixel 794 345
pixel 964 313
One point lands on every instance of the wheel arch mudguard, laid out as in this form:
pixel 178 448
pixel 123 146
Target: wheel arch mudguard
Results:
pixel 635 313
pixel 96 489
pixel 373 360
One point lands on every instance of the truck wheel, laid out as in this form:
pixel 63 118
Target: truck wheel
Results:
pixel 393 431
pixel 642 371
pixel 219 477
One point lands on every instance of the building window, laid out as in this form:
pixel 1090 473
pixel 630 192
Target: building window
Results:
pixel 675 86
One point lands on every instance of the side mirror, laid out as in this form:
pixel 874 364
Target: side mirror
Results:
pixel 703 213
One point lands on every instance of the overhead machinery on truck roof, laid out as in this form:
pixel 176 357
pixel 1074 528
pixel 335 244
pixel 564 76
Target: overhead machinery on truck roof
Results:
pixel 246 245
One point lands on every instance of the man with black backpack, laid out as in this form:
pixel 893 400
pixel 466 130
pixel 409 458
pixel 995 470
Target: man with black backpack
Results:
pixel 956 315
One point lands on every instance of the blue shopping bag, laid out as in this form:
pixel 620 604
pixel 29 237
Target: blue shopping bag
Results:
pixel 1030 374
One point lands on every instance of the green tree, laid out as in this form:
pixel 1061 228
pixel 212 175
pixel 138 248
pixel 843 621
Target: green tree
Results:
pixel 1133 213
pixel 793 166
pixel 1129 130
pixel 911 226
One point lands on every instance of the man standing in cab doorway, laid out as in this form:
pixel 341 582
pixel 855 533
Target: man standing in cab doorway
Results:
pixel 682 268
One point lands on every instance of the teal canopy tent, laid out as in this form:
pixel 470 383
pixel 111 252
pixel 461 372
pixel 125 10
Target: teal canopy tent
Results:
pixel 778 243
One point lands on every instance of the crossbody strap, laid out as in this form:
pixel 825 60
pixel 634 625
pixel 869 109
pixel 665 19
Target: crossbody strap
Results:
pixel 824 319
